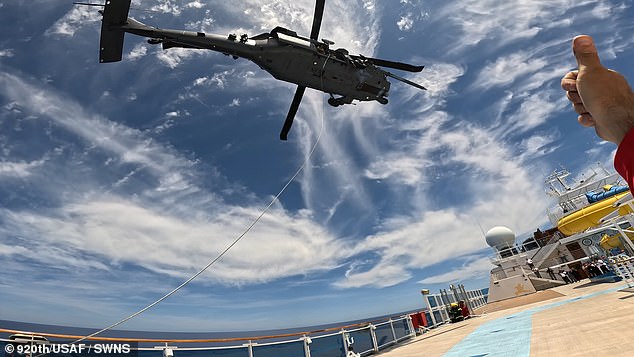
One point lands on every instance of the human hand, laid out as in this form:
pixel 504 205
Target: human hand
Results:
pixel 602 97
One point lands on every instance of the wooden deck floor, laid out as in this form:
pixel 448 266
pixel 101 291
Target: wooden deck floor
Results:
pixel 580 319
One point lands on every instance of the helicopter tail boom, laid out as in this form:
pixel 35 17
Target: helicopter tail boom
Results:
pixel 115 15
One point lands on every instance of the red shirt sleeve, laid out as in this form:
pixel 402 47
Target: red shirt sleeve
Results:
pixel 624 159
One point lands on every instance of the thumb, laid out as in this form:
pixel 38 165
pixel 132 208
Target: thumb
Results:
pixel 586 52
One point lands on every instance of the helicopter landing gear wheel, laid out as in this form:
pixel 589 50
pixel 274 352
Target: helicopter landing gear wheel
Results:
pixel 382 100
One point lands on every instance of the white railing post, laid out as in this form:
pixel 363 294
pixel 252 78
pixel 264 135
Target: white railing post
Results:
pixel 426 296
pixel 410 326
pixel 168 351
pixel 393 331
pixel 307 342
pixel 250 348
pixel 344 338
pixel 375 343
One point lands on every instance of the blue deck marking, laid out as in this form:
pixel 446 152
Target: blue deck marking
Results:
pixel 508 336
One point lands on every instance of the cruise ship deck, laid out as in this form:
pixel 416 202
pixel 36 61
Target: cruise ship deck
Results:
pixel 580 319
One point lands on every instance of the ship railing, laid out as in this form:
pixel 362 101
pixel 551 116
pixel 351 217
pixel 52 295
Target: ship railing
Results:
pixel 364 340
pixel 438 304
pixel 352 340
pixel 527 246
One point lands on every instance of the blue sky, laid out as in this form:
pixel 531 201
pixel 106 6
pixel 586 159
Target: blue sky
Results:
pixel 118 181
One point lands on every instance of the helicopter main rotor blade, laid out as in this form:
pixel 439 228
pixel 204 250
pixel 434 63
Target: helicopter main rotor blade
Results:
pixel 407 81
pixel 319 14
pixel 88 4
pixel 391 64
pixel 299 93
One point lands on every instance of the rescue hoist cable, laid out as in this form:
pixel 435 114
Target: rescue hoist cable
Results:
pixel 235 241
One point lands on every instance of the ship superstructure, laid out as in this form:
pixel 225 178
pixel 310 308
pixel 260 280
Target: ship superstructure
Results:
pixel 592 219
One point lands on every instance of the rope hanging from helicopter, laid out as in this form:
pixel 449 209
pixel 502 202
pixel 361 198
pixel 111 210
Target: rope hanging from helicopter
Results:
pixel 238 238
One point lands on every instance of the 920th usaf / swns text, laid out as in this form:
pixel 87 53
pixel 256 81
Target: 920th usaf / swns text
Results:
pixel 79 349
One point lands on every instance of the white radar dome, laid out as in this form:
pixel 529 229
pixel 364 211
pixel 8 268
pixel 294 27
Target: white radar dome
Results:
pixel 500 237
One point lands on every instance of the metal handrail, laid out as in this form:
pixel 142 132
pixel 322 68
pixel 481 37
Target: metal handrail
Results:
pixel 307 340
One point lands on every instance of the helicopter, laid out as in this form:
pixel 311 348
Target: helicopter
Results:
pixel 307 62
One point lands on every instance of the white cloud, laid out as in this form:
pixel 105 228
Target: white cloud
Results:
pixel 380 275
pixel 139 51
pixel 504 22
pixel 495 182
pixel 406 22
pixel 205 24
pixel 439 236
pixel 407 170
pixel 602 11
pixel 534 111
pixel 506 70
pixel 167 7
pixel 437 78
pixel 359 33
pixel 73 20
pixel 171 214
pixel 409 165
pixel 127 144
pixel 18 169
pixel 345 180
pixel 109 231
pixel 7 53
pixel 200 81
pixel 471 268
pixel 173 57
pixel 219 79
pixel 195 4
pixel 537 145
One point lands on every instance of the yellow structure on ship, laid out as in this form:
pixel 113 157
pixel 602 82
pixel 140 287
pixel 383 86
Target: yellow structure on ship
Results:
pixel 601 204
pixel 608 242
pixel 591 215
